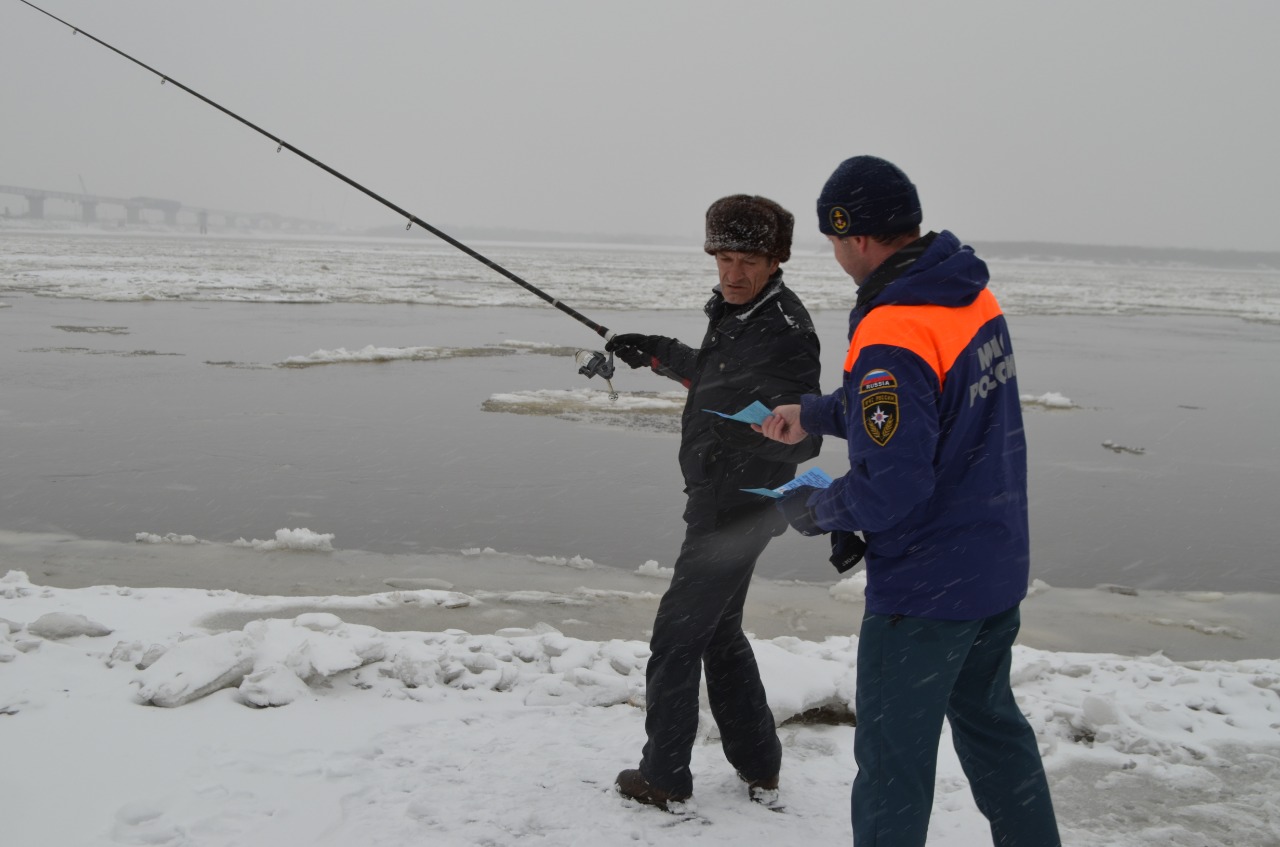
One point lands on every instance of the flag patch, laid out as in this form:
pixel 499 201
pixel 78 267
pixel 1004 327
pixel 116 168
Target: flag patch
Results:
pixel 877 380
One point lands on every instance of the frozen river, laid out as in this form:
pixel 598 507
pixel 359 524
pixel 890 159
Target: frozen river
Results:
pixel 144 393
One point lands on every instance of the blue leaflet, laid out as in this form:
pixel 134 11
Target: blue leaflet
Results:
pixel 753 414
pixel 816 477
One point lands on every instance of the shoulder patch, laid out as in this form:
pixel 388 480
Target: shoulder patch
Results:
pixel 877 380
pixel 880 415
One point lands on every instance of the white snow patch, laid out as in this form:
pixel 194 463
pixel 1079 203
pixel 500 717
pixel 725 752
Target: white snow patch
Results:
pixel 1050 400
pixel 369 353
pixel 652 568
pixel 851 589
pixel 588 399
pixel 577 562
pixel 167 538
pixel 303 540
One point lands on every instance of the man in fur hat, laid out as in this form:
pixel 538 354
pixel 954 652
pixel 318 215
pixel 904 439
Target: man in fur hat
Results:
pixel 760 345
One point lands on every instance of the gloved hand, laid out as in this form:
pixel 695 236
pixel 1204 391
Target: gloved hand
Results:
pixel 634 348
pixel 795 508
pixel 847 549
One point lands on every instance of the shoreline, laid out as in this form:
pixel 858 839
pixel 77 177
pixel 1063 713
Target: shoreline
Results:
pixel 599 603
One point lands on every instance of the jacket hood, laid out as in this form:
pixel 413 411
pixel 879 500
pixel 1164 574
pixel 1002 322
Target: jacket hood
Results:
pixel 948 273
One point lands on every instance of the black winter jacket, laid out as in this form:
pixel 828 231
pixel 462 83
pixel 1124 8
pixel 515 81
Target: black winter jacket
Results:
pixel 764 350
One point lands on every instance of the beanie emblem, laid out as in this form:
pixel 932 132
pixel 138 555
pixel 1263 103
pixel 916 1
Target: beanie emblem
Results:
pixel 866 195
pixel 839 220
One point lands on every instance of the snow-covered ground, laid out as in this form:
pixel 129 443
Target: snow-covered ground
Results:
pixel 126 720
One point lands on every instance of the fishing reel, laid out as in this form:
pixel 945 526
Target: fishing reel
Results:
pixel 593 363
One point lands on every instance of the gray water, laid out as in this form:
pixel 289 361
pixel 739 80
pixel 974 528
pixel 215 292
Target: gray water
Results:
pixel 177 422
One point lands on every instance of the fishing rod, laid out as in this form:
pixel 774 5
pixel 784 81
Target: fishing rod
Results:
pixel 591 362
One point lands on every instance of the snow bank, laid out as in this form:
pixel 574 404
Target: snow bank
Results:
pixel 400 738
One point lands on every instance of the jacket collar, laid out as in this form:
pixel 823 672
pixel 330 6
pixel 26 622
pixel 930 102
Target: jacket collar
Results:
pixel 943 273
pixel 892 268
pixel 719 311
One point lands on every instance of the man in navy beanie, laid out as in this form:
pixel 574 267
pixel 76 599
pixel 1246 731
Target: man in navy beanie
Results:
pixel 937 486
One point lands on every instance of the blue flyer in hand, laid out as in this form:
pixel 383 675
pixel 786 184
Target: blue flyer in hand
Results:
pixel 816 477
pixel 753 414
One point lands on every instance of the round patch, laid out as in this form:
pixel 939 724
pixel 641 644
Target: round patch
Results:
pixel 839 220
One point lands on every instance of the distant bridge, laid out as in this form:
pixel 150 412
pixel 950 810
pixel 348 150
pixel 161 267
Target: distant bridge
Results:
pixel 170 209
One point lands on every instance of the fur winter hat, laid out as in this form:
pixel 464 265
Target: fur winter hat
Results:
pixel 868 196
pixel 746 224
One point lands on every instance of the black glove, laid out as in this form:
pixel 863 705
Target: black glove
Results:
pixel 795 508
pixel 634 348
pixel 847 549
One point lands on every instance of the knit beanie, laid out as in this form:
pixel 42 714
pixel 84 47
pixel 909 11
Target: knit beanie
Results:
pixel 868 196
pixel 745 224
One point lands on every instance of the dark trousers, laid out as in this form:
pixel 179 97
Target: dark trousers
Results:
pixel 913 672
pixel 699 622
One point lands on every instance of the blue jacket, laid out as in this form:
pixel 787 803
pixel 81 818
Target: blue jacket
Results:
pixel 937 455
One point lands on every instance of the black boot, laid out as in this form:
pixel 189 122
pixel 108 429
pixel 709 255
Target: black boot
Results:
pixel 632 785
pixel 762 791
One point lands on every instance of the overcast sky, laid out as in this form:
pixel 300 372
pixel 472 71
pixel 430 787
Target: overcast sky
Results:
pixel 1150 123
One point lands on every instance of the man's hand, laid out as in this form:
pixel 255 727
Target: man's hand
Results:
pixel 847 549
pixel 795 508
pixel 783 425
pixel 633 348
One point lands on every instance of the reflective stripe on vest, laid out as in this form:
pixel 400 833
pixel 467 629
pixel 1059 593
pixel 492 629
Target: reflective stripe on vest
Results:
pixel 937 334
